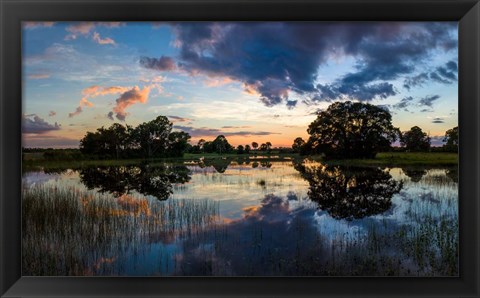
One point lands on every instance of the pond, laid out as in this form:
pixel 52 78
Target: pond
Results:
pixel 241 218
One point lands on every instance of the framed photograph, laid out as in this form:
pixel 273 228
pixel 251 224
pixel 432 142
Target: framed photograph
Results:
pixel 240 148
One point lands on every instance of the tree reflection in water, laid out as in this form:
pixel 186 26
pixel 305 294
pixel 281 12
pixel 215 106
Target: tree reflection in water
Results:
pixel 349 192
pixel 414 174
pixel 145 179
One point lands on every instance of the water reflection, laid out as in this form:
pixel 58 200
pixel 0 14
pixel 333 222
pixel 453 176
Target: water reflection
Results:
pixel 414 174
pixel 242 217
pixel 273 238
pixel 349 192
pixel 145 179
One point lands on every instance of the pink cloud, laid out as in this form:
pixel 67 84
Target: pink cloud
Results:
pixel 85 28
pixel 94 91
pixel 96 37
pixel 129 98
pixel 38 76
pixel 82 28
pixel 218 82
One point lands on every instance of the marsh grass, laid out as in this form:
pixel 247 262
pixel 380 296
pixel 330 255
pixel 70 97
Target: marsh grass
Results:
pixel 66 231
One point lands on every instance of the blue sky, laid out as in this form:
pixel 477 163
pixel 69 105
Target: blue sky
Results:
pixel 249 81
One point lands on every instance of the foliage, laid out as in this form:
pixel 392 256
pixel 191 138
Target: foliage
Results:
pixel 240 149
pixel 415 140
pixel 149 139
pixel 351 130
pixel 451 140
pixel 298 145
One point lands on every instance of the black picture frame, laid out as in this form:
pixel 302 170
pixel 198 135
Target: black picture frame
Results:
pixel 13 12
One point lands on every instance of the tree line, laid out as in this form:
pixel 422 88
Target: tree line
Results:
pixel 361 130
pixel 153 139
pixel 149 139
pixel 344 130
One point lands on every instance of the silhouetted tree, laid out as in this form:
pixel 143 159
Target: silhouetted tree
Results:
pixel 451 140
pixel 247 149
pixel 268 146
pixel 298 143
pixel 240 149
pixel 254 145
pixel 152 137
pixel 263 147
pixel 351 130
pixel 415 140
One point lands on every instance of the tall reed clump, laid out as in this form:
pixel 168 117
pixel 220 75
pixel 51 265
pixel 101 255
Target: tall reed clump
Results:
pixel 67 231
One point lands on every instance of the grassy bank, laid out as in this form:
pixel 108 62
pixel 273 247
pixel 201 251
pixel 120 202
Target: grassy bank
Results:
pixel 389 159
pixel 386 159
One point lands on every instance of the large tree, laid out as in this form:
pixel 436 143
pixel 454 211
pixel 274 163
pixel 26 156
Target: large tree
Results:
pixel 153 137
pixel 415 140
pixel 451 140
pixel 351 130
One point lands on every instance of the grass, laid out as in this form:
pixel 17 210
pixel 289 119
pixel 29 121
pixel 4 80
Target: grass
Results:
pixel 66 231
pixel 390 159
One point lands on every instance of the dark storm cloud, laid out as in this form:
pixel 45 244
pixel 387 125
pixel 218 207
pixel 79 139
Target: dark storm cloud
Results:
pixel 163 63
pixel 213 132
pixel 428 100
pixel 33 124
pixel 277 58
pixel 438 120
pixel 443 74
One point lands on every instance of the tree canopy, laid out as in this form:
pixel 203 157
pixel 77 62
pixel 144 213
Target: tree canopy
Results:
pixel 149 139
pixel 451 139
pixel 351 130
pixel 415 140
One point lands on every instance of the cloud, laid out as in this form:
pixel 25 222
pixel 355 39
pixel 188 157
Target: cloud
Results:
pixel 35 25
pixel 94 91
pixel 442 74
pixel 127 99
pixel 438 120
pixel 85 28
pixel 164 63
pixel 38 76
pixel 275 59
pixel 213 132
pixel 96 37
pixel 46 141
pixel 33 124
pixel 79 29
pixel 52 113
pixel 179 119
pixel 437 141
pixel 404 103
pixel 235 127
pixel 428 100
pixel 417 80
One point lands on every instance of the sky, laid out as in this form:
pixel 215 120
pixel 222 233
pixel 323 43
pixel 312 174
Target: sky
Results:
pixel 250 81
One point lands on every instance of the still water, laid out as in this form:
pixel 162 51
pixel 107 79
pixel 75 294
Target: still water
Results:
pixel 232 218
